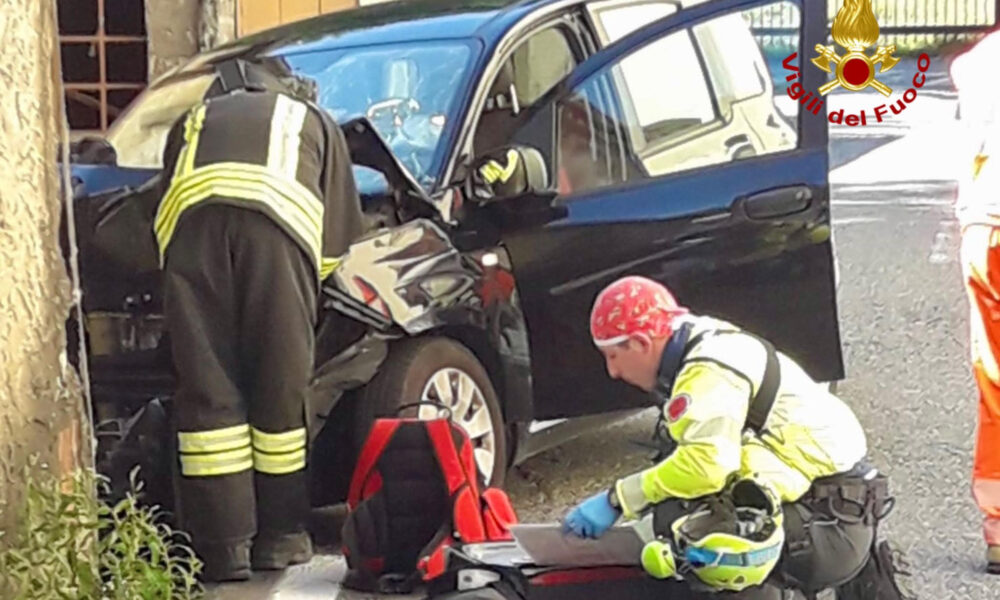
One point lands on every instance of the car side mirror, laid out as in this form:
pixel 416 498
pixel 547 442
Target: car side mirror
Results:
pixel 510 172
pixel 512 190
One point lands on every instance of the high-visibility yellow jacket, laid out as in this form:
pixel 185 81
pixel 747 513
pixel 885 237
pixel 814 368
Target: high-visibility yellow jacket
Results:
pixel 808 434
pixel 269 152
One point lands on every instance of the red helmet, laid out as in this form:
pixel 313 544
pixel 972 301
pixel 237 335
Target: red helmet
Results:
pixel 633 305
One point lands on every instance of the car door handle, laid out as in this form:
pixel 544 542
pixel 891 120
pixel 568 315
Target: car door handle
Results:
pixel 779 202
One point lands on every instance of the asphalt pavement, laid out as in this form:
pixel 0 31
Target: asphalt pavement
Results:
pixel 903 318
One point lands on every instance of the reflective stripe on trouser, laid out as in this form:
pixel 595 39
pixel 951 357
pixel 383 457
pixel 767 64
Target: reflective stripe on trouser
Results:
pixel 214 452
pixel 240 301
pixel 279 453
pixel 981 267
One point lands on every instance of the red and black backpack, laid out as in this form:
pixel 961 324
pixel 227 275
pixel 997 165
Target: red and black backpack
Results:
pixel 415 492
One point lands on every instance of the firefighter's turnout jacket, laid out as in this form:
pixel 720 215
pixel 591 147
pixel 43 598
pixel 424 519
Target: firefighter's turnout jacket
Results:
pixel 279 156
pixel 808 433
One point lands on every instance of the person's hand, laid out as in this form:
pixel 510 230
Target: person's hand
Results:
pixel 592 517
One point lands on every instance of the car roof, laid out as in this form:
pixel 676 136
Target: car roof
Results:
pixel 398 21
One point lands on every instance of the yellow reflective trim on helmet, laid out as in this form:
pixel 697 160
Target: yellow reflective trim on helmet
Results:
pixel 279 464
pixel 274 443
pixel 217 463
pixel 214 440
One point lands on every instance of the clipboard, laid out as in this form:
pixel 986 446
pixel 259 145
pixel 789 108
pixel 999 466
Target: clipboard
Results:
pixel 547 545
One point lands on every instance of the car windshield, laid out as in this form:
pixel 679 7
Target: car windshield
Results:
pixel 409 92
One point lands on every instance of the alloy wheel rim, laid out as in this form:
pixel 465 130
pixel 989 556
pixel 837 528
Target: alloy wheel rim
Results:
pixel 456 390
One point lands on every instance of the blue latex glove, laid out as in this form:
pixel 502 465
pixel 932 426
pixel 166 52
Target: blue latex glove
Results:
pixel 592 517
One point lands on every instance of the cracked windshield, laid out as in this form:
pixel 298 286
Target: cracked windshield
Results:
pixel 408 91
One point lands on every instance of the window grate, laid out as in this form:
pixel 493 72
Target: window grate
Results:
pixel 102 71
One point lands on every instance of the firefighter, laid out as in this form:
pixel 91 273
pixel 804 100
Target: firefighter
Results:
pixel 734 408
pixel 259 199
pixel 978 212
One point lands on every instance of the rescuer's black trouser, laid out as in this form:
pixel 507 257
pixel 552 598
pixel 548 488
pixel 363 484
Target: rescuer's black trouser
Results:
pixel 240 303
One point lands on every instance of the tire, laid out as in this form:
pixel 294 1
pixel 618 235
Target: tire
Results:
pixel 416 370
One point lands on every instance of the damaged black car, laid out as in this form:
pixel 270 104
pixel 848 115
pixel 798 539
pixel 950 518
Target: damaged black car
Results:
pixel 461 296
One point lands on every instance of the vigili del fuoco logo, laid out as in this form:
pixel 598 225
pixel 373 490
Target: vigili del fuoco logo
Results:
pixel 855 29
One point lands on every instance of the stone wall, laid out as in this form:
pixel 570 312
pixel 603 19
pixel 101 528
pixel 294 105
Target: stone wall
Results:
pixel 41 406
pixel 179 29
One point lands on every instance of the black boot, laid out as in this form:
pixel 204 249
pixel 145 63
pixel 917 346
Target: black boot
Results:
pixel 225 562
pixel 274 553
pixel 880 578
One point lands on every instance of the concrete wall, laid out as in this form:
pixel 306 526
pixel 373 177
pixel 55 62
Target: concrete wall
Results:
pixel 179 29
pixel 218 23
pixel 173 30
pixel 40 396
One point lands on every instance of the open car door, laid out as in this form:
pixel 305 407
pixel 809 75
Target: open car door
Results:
pixel 678 155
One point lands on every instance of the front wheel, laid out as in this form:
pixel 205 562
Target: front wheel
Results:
pixel 441 371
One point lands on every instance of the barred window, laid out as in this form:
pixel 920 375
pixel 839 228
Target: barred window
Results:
pixel 103 47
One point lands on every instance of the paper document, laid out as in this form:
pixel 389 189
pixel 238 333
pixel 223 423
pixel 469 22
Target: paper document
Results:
pixel 549 546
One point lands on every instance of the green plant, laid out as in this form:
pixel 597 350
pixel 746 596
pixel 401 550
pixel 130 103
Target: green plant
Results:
pixel 71 545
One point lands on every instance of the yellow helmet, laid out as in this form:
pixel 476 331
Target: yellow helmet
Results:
pixel 735 541
pixel 658 560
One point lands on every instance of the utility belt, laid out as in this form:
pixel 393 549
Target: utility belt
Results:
pixel 860 495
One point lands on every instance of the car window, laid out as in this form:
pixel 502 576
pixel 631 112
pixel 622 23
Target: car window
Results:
pixel 615 20
pixel 591 149
pixel 541 62
pixel 409 91
pixel 534 68
pixel 665 91
pixel 657 111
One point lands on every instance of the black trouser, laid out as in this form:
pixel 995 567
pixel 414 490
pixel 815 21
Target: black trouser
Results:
pixel 822 550
pixel 240 302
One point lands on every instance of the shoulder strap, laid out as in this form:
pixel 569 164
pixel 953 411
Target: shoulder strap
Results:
pixel 763 400
pixel 767 392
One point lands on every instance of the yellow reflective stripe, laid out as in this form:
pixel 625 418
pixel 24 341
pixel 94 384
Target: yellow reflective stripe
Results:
pixel 250 193
pixel 218 463
pixel 279 464
pixel 185 163
pixel 238 173
pixel 192 135
pixel 328 266
pixel 214 440
pixel 286 130
pixel 274 443
pixel 294 204
pixel 306 208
